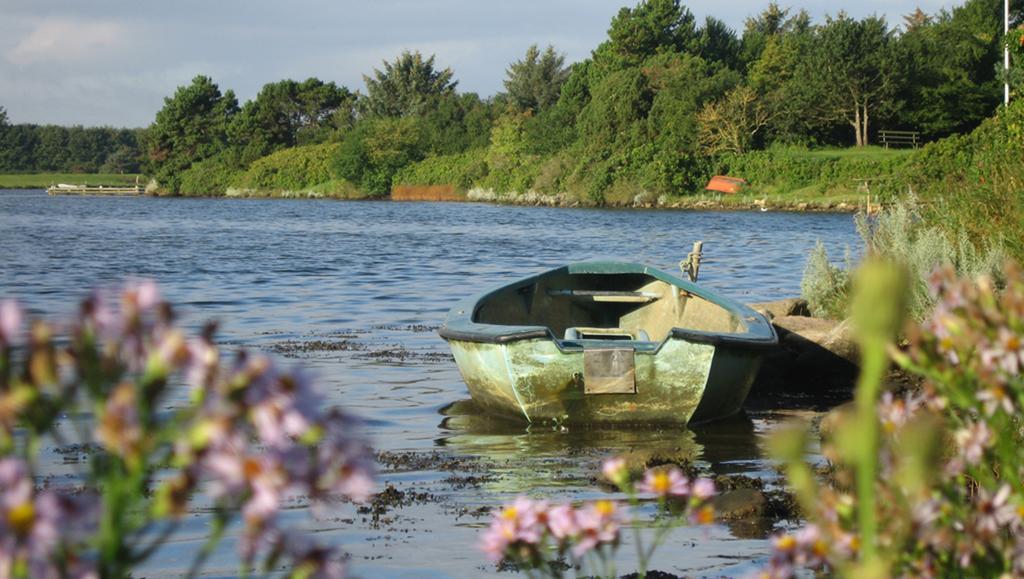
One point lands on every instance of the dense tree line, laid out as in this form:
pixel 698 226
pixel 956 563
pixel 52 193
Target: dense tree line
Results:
pixel 28 148
pixel 654 107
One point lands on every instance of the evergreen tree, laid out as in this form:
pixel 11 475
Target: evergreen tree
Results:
pixel 535 82
pixel 405 86
pixel 191 126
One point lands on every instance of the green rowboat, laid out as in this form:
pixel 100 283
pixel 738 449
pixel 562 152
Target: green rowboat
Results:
pixel 607 342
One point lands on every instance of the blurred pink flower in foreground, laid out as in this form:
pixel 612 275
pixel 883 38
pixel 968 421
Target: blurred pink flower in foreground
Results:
pixel 34 526
pixel 668 482
pixel 599 523
pixel 10 322
pixel 251 435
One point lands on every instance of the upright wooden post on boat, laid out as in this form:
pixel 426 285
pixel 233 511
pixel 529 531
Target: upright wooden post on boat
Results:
pixel 691 265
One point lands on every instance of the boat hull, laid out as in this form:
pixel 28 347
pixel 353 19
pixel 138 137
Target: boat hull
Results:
pixel 538 381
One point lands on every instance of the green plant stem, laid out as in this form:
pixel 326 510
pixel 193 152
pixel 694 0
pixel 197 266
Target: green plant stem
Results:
pixel 659 535
pixel 873 366
pixel 111 529
pixel 641 560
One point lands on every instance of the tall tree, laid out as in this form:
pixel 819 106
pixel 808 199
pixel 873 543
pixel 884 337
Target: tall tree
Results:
pixel 718 43
pixel 191 126
pixel 453 123
pixel 651 27
pixel 772 23
pixel 405 86
pixel 289 113
pixel 732 123
pixel 535 82
pixel 850 74
pixel 953 81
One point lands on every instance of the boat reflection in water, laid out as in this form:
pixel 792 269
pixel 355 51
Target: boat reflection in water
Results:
pixel 564 463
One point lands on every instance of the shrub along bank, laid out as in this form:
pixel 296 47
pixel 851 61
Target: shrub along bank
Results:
pixel 296 172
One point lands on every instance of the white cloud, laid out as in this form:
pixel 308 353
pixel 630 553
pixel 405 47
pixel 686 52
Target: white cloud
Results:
pixel 60 40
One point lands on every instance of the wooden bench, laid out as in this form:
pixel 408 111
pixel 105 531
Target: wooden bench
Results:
pixel 897 138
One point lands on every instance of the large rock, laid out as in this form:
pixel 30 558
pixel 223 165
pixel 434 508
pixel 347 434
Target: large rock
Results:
pixel 782 308
pixel 813 338
pixel 814 355
pixel 740 504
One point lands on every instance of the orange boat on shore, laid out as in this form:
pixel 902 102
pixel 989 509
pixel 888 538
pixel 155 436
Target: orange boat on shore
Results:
pixel 725 184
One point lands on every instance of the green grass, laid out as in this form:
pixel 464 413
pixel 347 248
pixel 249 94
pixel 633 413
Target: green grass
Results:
pixel 870 153
pixel 44 180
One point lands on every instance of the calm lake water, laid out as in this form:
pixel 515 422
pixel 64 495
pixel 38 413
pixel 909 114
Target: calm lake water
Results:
pixel 356 291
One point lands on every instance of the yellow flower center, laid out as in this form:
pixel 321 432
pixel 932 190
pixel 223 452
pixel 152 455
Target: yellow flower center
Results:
pixel 706 515
pixel 661 483
pixel 786 543
pixel 21 517
pixel 509 513
pixel 251 468
pixel 1013 343
pixel 605 507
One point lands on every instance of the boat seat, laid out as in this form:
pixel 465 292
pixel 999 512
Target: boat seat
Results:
pixel 606 296
pixel 639 335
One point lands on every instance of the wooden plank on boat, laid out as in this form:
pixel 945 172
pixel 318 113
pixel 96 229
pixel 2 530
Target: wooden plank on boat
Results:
pixel 609 371
pixel 607 296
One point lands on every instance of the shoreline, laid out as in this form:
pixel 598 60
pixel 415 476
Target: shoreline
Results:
pixel 743 203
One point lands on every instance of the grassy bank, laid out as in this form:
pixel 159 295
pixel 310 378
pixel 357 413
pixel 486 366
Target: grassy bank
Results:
pixel 810 174
pixel 44 180
pixel 295 173
pixel 790 178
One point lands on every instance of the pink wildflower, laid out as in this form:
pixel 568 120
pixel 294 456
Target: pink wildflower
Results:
pixel 283 406
pixel 561 521
pixel 147 294
pixel 119 429
pixel 103 319
pixel 665 483
pixel 895 412
pixel 1007 353
pixel 202 362
pixel 10 322
pixel 599 524
pixel 945 344
pixel 344 459
pixel 811 546
pixel 32 526
pixel 703 489
pixel 994 512
pixel 973 440
pixel 614 469
pixel 994 398
pixel 517 523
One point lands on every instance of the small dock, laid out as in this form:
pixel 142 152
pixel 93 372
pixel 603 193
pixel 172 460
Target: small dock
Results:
pixel 121 190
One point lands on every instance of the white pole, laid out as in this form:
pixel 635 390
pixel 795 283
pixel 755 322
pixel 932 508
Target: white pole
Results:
pixel 1006 51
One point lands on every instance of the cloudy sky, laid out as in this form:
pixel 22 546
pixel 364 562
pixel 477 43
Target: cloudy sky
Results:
pixel 111 62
